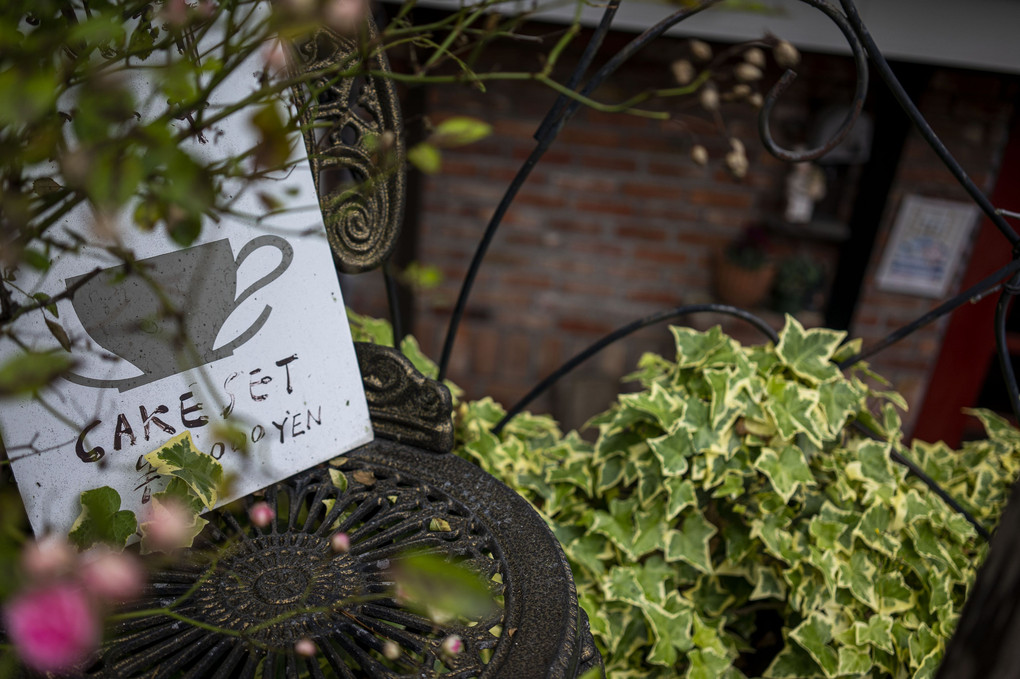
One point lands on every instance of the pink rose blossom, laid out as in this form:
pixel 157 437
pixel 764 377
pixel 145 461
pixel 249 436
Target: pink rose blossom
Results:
pixel 111 576
pixel 53 629
pixel 261 514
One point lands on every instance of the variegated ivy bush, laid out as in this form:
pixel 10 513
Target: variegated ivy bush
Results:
pixel 731 521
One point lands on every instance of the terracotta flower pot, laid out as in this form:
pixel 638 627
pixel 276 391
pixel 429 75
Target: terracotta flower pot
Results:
pixel 740 287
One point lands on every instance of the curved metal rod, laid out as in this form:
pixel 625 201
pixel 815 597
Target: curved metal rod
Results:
pixel 932 484
pixel 975 291
pixel 885 72
pixel 1001 347
pixel 860 92
pixel 622 332
pixel 549 131
pixel 556 112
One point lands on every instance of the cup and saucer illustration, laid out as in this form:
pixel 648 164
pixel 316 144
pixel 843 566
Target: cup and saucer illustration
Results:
pixel 165 315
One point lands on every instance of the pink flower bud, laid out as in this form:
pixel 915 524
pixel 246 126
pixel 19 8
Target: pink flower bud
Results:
pixel 345 16
pixel 170 525
pixel 452 645
pixel 305 647
pixel 111 576
pixel 261 514
pixel 53 629
pixel 48 559
pixel 340 542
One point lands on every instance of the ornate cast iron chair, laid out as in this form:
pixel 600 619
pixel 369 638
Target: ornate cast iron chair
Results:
pixel 273 586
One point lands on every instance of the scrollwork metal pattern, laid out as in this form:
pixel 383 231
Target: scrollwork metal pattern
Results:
pixel 354 138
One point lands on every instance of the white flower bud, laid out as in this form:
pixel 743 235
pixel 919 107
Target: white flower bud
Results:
pixel 755 57
pixel 709 98
pixel 740 91
pixel 700 50
pixel 736 160
pixel 747 72
pixel 785 54
pixel 683 71
pixel 699 154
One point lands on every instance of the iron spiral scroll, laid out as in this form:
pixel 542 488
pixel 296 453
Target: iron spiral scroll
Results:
pixel 244 595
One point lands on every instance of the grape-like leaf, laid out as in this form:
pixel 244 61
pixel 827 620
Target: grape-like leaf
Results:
pixel 102 520
pixel 178 457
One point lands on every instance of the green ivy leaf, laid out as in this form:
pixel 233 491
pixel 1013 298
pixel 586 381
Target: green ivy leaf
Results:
pixel 178 457
pixel 808 353
pixel 673 450
pixel 858 575
pixel 696 349
pixel 839 402
pixel 877 632
pixel 794 409
pixel 657 402
pixel 786 470
pixel 814 635
pixel 854 661
pixel 681 494
pixel 706 663
pixel 690 543
pixel 101 520
pixel 793 662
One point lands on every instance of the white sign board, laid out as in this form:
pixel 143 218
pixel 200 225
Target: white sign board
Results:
pixel 259 339
pixel 926 246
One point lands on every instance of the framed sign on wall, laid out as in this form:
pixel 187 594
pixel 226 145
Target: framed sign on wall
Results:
pixel 926 246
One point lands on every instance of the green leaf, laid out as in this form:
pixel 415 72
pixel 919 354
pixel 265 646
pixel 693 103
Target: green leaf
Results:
pixel 808 353
pixel 814 635
pixel 696 349
pixel 877 632
pixel 673 450
pixel 27 372
pixel 785 471
pixel 690 543
pixel 179 457
pixel 839 401
pixel 657 402
pixel 854 661
pixel 101 520
pixel 767 584
pixel 425 157
pixel 706 663
pixel 441 590
pixel 460 130
pixel 681 494
pixel 858 575
pixel 793 662
pixel 794 409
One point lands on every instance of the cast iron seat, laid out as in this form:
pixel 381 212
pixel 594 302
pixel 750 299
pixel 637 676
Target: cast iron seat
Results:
pixel 258 591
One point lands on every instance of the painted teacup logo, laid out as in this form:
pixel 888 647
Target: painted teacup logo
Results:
pixel 164 318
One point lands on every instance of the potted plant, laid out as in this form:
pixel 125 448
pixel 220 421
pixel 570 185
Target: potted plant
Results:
pixel 735 518
pixel 797 279
pixel 743 271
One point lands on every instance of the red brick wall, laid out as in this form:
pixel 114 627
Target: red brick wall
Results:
pixel 616 222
